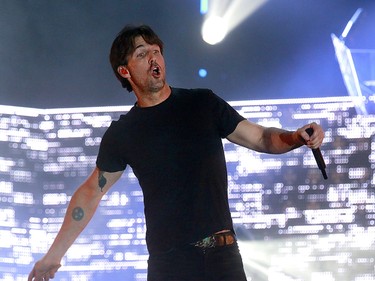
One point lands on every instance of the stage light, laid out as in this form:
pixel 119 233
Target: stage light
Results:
pixel 214 30
pixel 202 73
pixel 204 6
pixel 221 17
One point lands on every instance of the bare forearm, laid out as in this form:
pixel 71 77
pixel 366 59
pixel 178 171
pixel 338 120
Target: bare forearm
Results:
pixel 81 208
pixel 278 141
pixel 80 211
pixel 275 140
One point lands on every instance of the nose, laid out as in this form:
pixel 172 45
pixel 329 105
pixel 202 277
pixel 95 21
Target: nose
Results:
pixel 152 58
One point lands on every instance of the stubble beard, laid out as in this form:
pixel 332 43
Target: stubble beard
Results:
pixel 156 86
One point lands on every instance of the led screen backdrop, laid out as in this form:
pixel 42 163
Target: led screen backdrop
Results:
pixel 292 224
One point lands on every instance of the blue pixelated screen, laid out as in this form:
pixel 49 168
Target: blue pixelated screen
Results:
pixel 291 223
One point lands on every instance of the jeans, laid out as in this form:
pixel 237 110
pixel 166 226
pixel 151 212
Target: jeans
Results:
pixel 195 264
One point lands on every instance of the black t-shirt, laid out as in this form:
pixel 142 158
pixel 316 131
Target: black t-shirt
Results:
pixel 176 152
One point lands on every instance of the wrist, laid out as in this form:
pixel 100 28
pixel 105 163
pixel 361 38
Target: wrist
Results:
pixel 297 139
pixel 53 256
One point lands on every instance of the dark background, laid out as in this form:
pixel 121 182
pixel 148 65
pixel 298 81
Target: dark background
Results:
pixel 55 53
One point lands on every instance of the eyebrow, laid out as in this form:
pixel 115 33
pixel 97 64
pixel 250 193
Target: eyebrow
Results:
pixel 139 46
pixel 142 46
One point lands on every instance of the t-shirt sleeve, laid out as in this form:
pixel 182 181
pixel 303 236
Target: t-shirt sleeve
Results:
pixel 109 159
pixel 226 116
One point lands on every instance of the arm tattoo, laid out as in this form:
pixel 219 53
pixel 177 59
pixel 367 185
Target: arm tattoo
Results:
pixel 77 213
pixel 102 180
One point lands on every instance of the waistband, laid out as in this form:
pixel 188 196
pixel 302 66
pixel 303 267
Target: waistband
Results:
pixel 216 240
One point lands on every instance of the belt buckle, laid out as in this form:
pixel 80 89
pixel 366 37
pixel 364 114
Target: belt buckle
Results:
pixel 208 242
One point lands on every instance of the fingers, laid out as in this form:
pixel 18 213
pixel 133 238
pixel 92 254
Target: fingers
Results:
pixel 53 271
pixel 43 276
pixel 31 275
pixel 316 138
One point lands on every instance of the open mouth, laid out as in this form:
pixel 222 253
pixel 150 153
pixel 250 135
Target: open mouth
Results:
pixel 156 71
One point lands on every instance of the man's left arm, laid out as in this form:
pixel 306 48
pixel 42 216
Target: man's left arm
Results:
pixel 275 140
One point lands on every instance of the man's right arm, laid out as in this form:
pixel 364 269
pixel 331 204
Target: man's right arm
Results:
pixel 82 207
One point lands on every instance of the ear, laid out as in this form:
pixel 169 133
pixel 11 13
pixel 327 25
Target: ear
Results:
pixel 123 71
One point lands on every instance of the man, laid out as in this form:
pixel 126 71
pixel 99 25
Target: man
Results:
pixel 172 139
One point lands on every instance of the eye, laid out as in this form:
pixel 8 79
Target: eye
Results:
pixel 141 55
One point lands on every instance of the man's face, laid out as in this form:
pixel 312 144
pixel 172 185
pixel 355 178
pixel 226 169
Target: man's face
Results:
pixel 146 67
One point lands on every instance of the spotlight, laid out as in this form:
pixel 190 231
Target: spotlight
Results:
pixel 223 16
pixel 214 30
pixel 202 73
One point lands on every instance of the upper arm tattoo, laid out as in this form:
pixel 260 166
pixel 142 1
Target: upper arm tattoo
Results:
pixel 102 180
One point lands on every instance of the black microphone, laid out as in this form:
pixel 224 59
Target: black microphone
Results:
pixel 318 156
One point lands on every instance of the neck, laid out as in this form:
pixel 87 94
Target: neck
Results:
pixel 149 98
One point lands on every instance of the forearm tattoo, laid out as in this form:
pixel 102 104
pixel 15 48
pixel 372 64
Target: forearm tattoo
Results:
pixel 78 213
pixel 102 180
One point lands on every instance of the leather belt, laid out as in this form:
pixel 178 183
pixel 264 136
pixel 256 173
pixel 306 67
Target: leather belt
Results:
pixel 216 240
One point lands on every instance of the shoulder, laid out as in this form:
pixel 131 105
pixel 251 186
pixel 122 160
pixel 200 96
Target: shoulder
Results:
pixel 195 91
pixel 117 126
pixel 196 94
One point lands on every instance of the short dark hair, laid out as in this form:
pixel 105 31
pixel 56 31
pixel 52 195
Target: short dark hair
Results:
pixel 124 45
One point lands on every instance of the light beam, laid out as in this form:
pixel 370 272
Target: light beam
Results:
pixel 224 15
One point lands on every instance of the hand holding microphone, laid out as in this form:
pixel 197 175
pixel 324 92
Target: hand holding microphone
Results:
pixel 318 155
